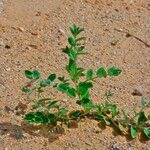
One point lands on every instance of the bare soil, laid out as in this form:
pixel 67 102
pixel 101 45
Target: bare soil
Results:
pixel 31 37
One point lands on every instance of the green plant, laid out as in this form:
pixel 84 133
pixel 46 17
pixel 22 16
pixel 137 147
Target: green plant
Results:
pixel 50 112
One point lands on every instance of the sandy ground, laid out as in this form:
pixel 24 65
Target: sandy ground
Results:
pixel 34 22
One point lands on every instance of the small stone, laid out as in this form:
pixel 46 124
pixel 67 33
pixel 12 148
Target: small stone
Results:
pixel 7 46
pixel 21 29
pixel 38 13
pixel 28 48
pixel 62 31
pixel 142 90
pixel 1 42
pixel 138 91
pixel 33 46
pixel 8 69
pixel 34 33
pixel 88 143
pixel 114 42
pixel 97 130
pixel 116 146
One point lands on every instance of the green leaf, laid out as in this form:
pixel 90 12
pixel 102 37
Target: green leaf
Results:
pixel 63 111
pixel 86 95
pixel 41 101
pixel 101 72
pixel 71 65
pixel 83 87
pixel 147 132
pixel 71 41
pixel 125 115
pixel 29 117
pixel 83 101
pixel 122 127
pixel 75 30
pixel 28 74
pixel 109 94
pixel 40 90
pixel 89 106
pixel 112 108
pixel 81 48
pixel 38 114
pixel 54 122
pixel 133 131
pixel 52 77
pixel 73 54
pixel 72 31
pixel 35 74
pixel 100 109
pixel 66 50
pixel 142 102
pixel 114 71
pixel 61 79
pixel 51 105
pixel 51 116
pixel 75 114
pixel 141 118
pixel 103 119
pixel 72 92
pixel 38 120
pixel 25 90
pixel 45 83
pixel 62 87
pixel 41 120
pixel 80 30
pixel 89 74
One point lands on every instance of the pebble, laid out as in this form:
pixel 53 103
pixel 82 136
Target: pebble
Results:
pixel 141 90
pixel 1 42
pixel 32 46
pixel 21 29
pixel 62 31
pixel 116 146
pixel 138 92
pixel 7 46
pixel 114 42
pixel 97 130
pixel 88 143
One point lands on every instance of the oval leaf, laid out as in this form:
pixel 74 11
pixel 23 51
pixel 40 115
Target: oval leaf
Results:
pixel 29 117
pixel 133 131
pixel 89 74
pixel 35 74
pixel 73 54
pixel 147 132
pixel 28 74
pixel 45 83
pixel 71 41
pixel 63 111
pixel 52 77
pixel 72 92
pixel 114 71
pixel 101 72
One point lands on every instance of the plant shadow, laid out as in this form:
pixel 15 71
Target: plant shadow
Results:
pixel 17 132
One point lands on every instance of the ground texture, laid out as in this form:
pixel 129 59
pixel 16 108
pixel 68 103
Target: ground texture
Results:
pixel 31 35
